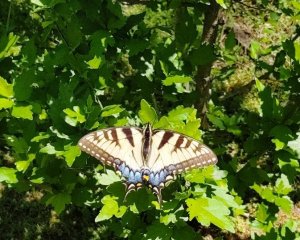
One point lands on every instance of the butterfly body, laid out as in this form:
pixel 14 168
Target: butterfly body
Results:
pixel 146 156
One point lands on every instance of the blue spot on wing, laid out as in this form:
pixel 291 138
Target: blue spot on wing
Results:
pixel 162 175
pixel 121 167
pixel 138 177
pixel 125 173
pixel 131 177
pixel 155 179
pixel 129 174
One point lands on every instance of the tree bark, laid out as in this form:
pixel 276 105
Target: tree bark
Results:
pixel 202 78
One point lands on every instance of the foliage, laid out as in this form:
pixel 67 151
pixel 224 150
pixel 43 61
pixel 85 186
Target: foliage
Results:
pixel 70 67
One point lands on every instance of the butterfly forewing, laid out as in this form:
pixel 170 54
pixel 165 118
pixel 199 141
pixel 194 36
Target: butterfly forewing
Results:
pixel 177 152
pixel 115 145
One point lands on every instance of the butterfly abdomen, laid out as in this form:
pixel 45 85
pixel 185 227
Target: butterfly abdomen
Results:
pixel 146 145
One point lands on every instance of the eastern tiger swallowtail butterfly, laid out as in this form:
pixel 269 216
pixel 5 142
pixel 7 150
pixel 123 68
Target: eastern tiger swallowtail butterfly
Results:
pixel 146 156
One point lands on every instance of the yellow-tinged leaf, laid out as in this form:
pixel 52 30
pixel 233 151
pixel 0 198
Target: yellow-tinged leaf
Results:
pixel 22 112
pixel 8 175
pixel 109 209
pixel 95 62
pixel 6 103
pixel 6 89
pixel 23 165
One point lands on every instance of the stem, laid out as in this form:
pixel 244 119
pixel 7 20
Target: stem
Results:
pixel 8 17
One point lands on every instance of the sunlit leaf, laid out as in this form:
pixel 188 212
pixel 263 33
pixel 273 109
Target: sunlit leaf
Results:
pixel 110 208
pixel 6 89
pixel 210 210
pixel 108 178
pixel 111 110
pixel 24 164
pixel 147 113
pixel 70 154
pixel 6 103
pixel 95 62
pixel 282 185
pixel 22 112
pixel 176 79
pixel 73 117
pixel 8 175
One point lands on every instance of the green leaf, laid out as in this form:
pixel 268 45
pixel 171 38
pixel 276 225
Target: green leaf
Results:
pixel 265 192
pixel 282 185
pixel 167 219
pixel 262 213
pixel 176 79
pixel 19 144
pixel 59 201
pixel 22 112
pixel 227 199
pixel 70 154
pixel 6 89
pixel 195 175
pixel 8 175
pixel 285 203
pixel 259 85
pixel 203 55
pixel 95 62
pixel 6 103
pixel 184 232
pixel 136 46
pixel 207 174
pixel 278 144
pixel 230 41
pixel 23 85
pixel 47 4
pixel 111 110
pixel 255 49
pixel 158 231
pixel 109 209
pixel 41 136
pixel 8 46
pixel 22 166
pixel 282 133
pixel 147 113
pixel 180 114
pixel 210 210
pixel 100 40
pixel 108 178
pixel 74 116
pixel 295 144
pixel 49 149
pixel 121 212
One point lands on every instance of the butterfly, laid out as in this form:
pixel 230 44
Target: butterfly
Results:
pixel 150 157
